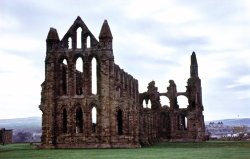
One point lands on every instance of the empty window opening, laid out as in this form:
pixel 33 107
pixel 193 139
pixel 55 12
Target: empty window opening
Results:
pixel 64 75
pixel 164 101
pixel 149 104
pixel 185 122
pixel 94 76
pixel 64 81
pixel 94 119
pixel 144 104
pixel 88 41
pixel 79 120
pixel 79 38
pixel 79 83
pixel 182 101
pixel 65 62
pixel 79 64
pixel 64 121
pixel 119 122
pixel 79 76
pixel 70 43
pixel 182 122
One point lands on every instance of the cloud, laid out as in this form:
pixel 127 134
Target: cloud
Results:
pixel 158 36
pixel 184 42
pixel 241 83
pixel 20 86
pixel 18 43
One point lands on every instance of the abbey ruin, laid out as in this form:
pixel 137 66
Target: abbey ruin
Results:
pixel 79 112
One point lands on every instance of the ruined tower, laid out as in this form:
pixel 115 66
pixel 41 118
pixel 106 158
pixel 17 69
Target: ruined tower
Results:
pixel 88 101
pixel 79 111
pixel 170 122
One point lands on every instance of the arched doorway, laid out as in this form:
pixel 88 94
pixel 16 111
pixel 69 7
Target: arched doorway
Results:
pixel 79 120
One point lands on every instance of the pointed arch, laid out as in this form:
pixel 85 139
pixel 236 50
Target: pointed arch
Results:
pixel 64 81
pixel 63 77
pixel 185 123
pixel 79 79
pixel 79 38
pixel 149 104
pixel 88 42
pixel 94 119
pixel 144 104
pixel 65 62
pixel 182 122
pixel 64 120
pixel 94 75
pixel 119 118
pixel 79 64
pixel 79 120
pixel 165 125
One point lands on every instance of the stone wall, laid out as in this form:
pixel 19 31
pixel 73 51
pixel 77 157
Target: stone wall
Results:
pixel 171 123
pixel 5 136
pixel 70 98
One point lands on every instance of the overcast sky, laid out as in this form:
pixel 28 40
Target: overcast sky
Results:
pixel 152 40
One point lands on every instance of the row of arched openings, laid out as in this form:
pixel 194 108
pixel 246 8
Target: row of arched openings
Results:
pixel 182 102
pixel 79 119
pixel 79 77
pixel 79 40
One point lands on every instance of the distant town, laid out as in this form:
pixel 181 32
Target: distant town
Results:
pixel 29 129
pixel 221 131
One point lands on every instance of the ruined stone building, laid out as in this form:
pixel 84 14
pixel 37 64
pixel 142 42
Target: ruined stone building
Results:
pixel 98 105
pixel 5 136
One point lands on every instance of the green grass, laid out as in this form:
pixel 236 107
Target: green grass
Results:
pixel 206 150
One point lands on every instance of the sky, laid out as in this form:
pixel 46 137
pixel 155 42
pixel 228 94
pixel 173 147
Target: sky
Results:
pixel 152 40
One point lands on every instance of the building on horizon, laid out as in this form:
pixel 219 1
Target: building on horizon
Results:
pixel 5 136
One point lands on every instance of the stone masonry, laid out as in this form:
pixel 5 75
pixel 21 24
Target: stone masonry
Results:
pixel 5 136
pixel 78 112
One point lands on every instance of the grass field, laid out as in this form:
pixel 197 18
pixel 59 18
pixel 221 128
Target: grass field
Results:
pixel 206 150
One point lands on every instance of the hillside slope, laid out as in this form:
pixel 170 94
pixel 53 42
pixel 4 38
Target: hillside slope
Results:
pixel 232 122
pixel 21 123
